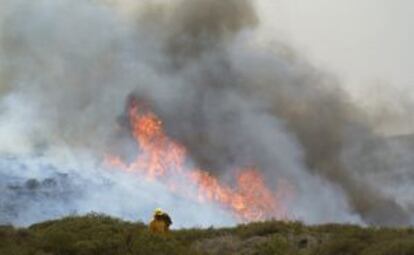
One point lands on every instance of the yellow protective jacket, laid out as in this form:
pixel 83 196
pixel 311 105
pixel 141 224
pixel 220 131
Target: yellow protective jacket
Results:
pixel 158 226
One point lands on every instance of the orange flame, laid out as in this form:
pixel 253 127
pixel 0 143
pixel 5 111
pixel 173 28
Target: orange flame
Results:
pixel 162 158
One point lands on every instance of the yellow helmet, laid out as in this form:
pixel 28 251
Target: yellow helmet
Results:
pixel 158 211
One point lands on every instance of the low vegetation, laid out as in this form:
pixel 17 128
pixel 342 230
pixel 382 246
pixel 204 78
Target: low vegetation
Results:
pixel 102 235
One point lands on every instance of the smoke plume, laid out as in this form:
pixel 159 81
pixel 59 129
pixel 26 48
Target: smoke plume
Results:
pixel 68 67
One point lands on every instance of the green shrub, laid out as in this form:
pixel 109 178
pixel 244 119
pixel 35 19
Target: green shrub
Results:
pixel 96 234
pixel 145 244
pixel 340 247
pixel 59 242
pixel 393 247
pixel 268 228
pixel 276 246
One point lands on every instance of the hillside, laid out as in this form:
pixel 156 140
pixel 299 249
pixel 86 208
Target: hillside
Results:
pixel 102 235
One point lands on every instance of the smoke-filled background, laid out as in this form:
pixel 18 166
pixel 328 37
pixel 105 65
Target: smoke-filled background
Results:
pixel 228 85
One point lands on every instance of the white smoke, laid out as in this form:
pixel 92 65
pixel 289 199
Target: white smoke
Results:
pixel 34 190
pixel 65 69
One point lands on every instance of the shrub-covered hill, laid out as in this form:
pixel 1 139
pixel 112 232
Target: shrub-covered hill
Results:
pixel 102 235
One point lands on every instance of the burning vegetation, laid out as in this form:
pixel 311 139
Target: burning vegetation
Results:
pixel 163 159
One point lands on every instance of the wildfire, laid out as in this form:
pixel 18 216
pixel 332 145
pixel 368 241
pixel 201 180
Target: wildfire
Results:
pixel 164 159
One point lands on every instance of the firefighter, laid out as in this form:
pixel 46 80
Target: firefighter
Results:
pixel 160 223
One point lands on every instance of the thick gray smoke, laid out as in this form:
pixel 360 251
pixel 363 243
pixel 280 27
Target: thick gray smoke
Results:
pixel 67 68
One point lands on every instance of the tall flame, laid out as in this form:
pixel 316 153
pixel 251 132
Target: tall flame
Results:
pixel 162 158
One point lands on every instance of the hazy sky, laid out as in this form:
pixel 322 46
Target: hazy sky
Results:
pixel 368 44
